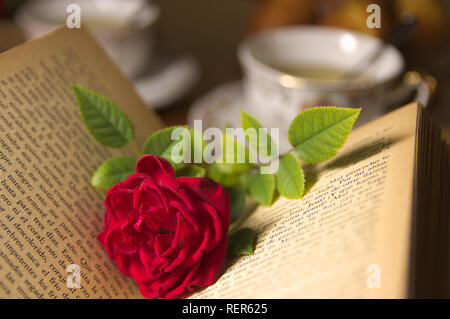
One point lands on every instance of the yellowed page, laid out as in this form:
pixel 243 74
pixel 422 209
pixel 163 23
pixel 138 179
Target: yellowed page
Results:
pixel 49 214
pixel 355 219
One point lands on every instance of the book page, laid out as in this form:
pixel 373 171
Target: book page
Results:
pixel 49 214
pixel 349 237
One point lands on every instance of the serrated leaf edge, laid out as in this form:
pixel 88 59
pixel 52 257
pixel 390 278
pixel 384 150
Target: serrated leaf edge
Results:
pixel 303 181
pixel 104 163
pixel 74 86
pixel 325 107
pixel 159 132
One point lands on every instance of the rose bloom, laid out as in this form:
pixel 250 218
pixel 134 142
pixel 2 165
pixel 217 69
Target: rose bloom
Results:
pixel 169 234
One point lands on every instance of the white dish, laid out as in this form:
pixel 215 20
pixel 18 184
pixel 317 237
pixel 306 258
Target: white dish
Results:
pixel 169 83
pixel 123 28
pixel 270 91
pixel 222 107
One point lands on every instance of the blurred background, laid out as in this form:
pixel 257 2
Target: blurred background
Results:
pixel 189 47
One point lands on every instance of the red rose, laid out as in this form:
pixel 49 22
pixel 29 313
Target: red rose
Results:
pixel 168 233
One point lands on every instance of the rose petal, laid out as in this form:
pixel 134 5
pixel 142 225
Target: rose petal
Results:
pixel 210 266
pixel 123 263
pixel 109 239
pixel 211 192
pixel 168 282
pixel 119 203
pixel 139 272
pixel 212 217
pixel 146 195
pixel 153 263
pixel 199 247
pixel 132 182
pixel 154 166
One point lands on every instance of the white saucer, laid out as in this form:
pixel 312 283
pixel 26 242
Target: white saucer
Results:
pixel 167 81
pixel 222 107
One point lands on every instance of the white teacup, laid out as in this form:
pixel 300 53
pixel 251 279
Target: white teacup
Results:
pixel 283 73
pixel 123 27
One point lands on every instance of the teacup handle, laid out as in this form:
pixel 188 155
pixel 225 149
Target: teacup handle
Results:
pixel 413 81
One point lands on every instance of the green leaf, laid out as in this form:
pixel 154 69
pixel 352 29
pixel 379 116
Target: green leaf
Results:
pixel 237 202
pixel 191 171
pixel 160 144
pixel 227 180
pixel 236 158
pixel 232 168
pixel 244 180
pixel 241 243
pixel 262 188
pixel 108 124
pixel 160 141
pixel 290 177
pixel 318 133
pixel 113 171
pixel 257 142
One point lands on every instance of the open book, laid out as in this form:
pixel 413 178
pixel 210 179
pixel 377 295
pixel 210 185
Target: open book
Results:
pixel 374 222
